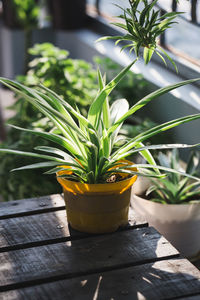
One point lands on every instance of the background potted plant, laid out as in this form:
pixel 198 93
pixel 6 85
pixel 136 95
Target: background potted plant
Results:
pixel 90 160
pixel 172 205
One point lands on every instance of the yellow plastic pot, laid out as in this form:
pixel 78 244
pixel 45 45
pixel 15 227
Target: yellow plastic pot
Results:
pixel 97 208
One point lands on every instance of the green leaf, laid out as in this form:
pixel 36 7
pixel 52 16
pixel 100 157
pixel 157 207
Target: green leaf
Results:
pixel 95 110
pixel 147 54
pixel 36 100
pixel 123 152
pixel 193 163
pixel 106 109
pixel 145 11
pixel 161 57
pixel 147 99
pixel 147 155
pixel 118 109
pixel 23 153
pixel 163 127
pixel 157 129
pixel 57 151
pixel 170 170
pixel 58 139
pixel 37 166
pixel 169 58
pixel 69 108
pixel 105 142
pixel 171 14
pixel 104 38
pixel 130 172
pixel 120 25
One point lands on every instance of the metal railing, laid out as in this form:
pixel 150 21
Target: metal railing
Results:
pixel 174 7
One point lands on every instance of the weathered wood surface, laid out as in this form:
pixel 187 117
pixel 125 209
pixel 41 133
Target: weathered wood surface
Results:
pixel 32 230
pixel 31 206
pixel 43 228
pixel 42 258
pixel 160 280
pixel 83 256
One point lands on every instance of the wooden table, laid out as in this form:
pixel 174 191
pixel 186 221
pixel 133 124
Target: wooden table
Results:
pixel 42 259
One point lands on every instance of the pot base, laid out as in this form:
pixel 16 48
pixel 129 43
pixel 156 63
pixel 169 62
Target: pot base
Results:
pixel 98 224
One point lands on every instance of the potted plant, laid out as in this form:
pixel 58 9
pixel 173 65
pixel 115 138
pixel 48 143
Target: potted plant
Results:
pixel 75 80
pixel 172 205
pixel 90 161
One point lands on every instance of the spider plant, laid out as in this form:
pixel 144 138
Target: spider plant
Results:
pixel 88 144
pixel 143 24
pixel 175 188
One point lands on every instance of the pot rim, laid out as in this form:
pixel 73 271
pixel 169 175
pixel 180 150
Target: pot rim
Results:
pixel 102 188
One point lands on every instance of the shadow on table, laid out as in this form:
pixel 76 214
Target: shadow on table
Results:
pixel 115 266
pixel 162 279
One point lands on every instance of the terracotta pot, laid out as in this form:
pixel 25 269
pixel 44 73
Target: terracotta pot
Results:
pixel 178 223
pixel 97 208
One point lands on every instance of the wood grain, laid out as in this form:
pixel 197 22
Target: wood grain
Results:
pixel 159 280
pixel 27 230
pixel 88 255
pixel 31 206
pixel 43 228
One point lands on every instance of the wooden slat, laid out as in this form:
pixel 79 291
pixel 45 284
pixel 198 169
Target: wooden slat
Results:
pixel 83 256
pixel 31 206
pixel 29 230
pixel 160 280
pixel 41 229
